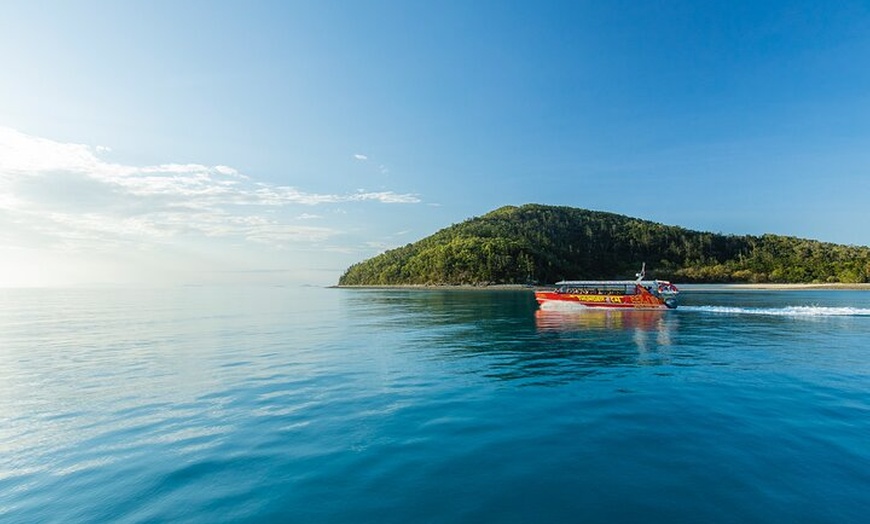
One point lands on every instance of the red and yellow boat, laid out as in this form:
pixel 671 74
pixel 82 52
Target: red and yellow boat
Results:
pixel 622 294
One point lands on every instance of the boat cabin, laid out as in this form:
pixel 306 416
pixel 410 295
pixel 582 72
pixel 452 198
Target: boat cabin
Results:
pixel 614 287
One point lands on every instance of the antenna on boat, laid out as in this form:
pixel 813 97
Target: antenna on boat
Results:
pixel 642 272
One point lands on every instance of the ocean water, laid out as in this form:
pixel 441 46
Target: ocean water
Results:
pixel 333 405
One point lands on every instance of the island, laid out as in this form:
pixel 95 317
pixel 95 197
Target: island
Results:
pixel 540 244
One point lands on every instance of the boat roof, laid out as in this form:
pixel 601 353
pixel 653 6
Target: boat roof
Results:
pixel 600 283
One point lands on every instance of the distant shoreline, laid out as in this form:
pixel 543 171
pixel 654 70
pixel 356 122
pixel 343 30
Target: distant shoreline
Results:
pixel 780 287
pixel 494 287
pixel 688 287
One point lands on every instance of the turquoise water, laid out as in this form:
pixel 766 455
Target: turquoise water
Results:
pixel 328 405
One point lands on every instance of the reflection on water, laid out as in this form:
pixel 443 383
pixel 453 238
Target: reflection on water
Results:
pixel 589 318
pixel 642 324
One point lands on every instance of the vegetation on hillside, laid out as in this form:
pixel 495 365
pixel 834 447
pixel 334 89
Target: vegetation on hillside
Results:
pixel 543 244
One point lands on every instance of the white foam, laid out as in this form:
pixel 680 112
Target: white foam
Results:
pixel 789 311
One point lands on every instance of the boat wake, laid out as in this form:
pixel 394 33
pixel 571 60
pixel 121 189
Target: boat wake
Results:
pixel 790 311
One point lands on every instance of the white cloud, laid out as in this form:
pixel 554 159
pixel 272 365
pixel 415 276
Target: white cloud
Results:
pixel 228 171
pixel 387 197
pixel 65 194
pixel 360 157
pixel 24 154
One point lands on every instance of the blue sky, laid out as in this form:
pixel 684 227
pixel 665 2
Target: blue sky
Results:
pixel 279 142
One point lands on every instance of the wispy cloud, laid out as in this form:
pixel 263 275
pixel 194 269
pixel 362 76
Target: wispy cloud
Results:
pixel 66 193
pixel 381 168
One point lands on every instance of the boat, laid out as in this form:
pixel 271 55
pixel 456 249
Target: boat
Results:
pixel 622 294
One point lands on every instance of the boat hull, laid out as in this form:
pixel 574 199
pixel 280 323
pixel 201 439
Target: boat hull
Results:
pixel 554 300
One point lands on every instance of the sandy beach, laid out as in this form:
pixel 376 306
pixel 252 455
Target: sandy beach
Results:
pixel 780 287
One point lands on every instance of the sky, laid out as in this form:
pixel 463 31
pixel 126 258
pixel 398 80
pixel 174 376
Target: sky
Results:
pixel 278 143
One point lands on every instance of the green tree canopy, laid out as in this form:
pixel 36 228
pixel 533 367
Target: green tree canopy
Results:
pixel 542 244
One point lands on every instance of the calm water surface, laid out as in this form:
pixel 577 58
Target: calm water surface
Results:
pixel 326 405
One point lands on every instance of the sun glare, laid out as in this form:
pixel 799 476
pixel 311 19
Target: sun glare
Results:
pixel 37 268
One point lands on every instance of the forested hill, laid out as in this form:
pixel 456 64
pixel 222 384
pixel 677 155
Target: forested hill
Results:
pixel 543 244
